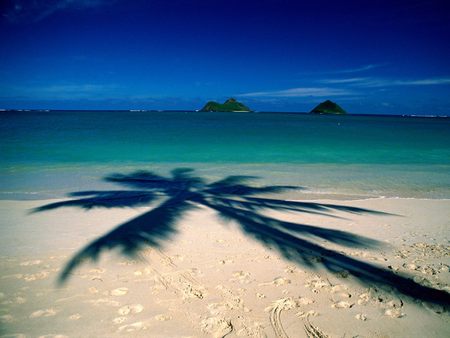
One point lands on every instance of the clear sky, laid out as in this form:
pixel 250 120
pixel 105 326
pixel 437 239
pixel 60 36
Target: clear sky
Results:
pixel 388 57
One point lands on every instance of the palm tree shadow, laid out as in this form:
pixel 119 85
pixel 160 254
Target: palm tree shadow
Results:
pixel 234 200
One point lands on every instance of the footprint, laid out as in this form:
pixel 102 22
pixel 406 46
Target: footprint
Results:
pixel 132 327
pixel 277 282
pixel 43 313
pixel 127 309
pixel 119 291
pixel 119 320
pixel 219 327
pixel 290 269
pixel 97 270
pixel 190 291
pixel 361 317
pixel 163 318
pixel 35 276
pixel 342 305
pixel 75 316
pixel 305 301
pixel 394 313
pixel 93 290
pixel 310 313
pixel 260 295
pixel 241 276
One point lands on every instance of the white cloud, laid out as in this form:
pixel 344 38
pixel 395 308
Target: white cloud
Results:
pixel 381 82
pixel 423 82
pixel 345 81
pixel 360 69
pixel 301 92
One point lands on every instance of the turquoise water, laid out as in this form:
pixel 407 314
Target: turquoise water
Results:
pixel 48 153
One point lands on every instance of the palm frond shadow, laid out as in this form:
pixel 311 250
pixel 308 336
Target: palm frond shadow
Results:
pixel 234 199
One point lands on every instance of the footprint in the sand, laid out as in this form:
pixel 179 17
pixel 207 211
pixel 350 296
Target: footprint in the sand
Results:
pixel 75 316
pixel 119 291
pixel 93 290
pixel 394 313
pixel 316 283
pixel 44 313
pixel 120 320
pixel 290 269
pixel 36 276
pixel 217 326
pixel 130 309
pixel 277 282
pixel 241 276
pixel 361 316
pixel 190 291
pixel 342 305
pixel 394 309
pixel 132 327
pixel 310 313
pixel 163 318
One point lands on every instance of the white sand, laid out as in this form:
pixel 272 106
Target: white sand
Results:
pixel 212 280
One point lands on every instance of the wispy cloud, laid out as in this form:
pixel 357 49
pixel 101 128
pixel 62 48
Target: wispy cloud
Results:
pixel 345 81
pixel 360 69
pixel 423 82
pixel 34 11
pixel 301 92
pixel 381 82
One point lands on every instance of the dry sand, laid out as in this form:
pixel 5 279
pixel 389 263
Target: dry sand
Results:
pixel 212 280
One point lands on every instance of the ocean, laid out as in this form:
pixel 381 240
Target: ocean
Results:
pixel 47 154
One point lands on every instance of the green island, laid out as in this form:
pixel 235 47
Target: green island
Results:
pixel 328 107
pixel 230 105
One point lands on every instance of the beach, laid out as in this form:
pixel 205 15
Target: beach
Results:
pixel 162 224
pixel 212 279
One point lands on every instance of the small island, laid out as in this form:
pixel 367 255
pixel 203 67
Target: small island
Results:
pixel 328 107
pixel 230 105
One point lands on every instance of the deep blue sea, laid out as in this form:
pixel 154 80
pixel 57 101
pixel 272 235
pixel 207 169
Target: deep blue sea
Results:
pixel 48 154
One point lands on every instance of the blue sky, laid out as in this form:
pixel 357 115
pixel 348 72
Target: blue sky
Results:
pixel 384 57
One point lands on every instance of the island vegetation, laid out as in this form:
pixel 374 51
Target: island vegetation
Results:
pixel 230 105
pixel 328 107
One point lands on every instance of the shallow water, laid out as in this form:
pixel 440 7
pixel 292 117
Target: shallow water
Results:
pixel 47 154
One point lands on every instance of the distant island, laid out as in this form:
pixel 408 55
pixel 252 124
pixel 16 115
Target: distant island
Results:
pixel 230 105
pixel 328 107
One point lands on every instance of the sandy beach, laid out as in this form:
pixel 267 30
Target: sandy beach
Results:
pixel 213 278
